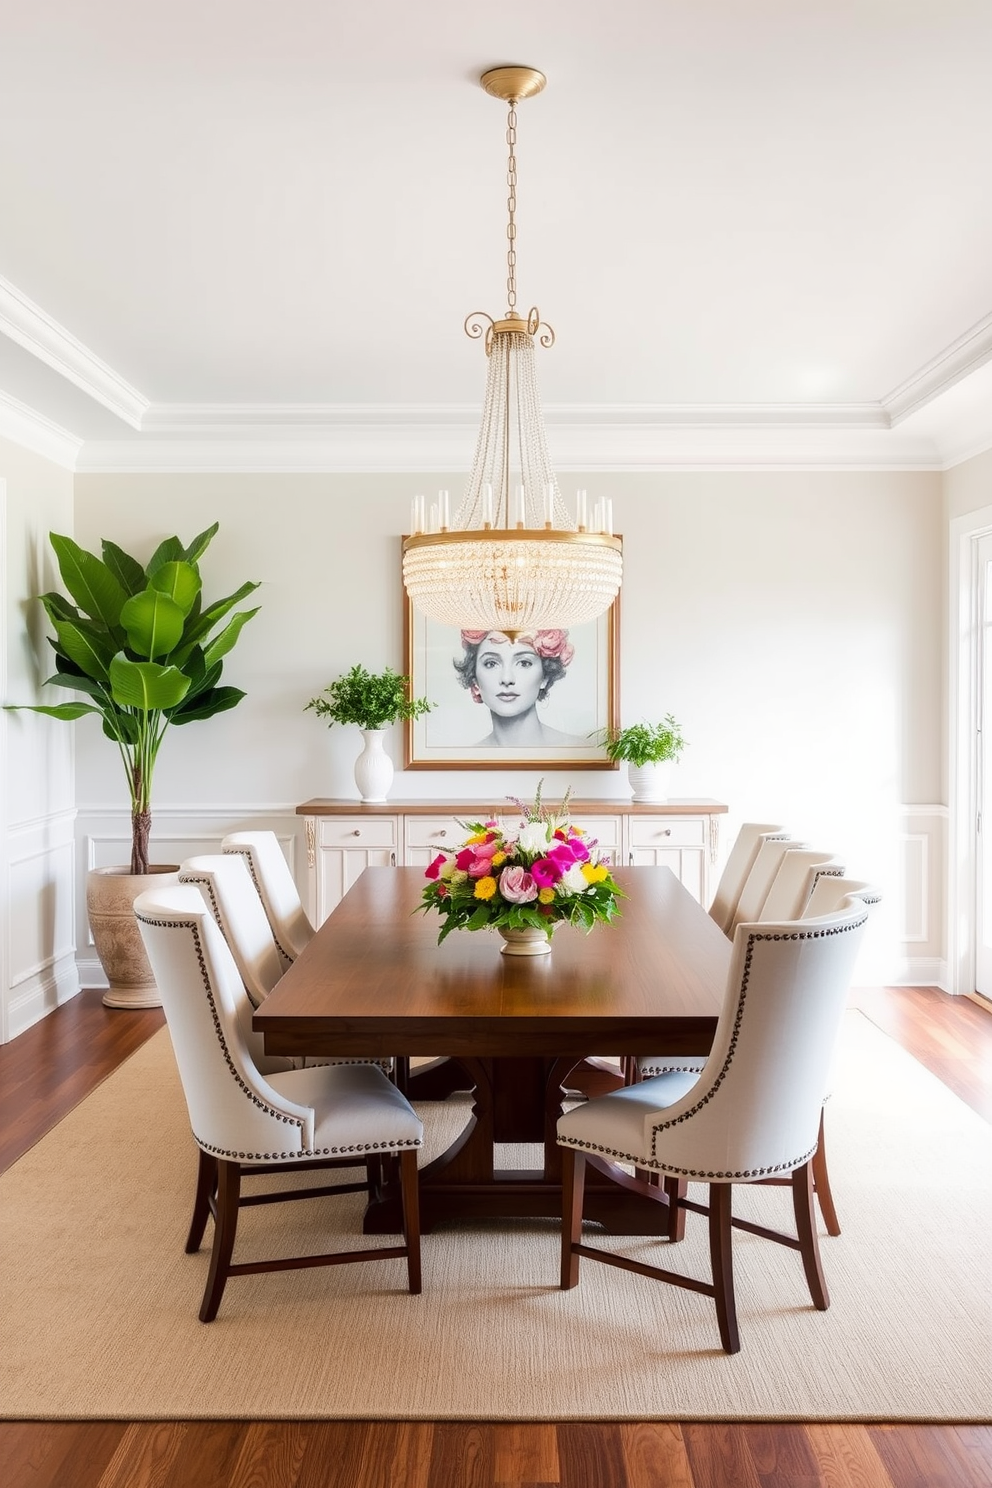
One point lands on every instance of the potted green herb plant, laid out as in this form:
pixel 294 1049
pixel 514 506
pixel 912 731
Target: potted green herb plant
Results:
pixel 649 750
pixel 146 651
pixel 373 700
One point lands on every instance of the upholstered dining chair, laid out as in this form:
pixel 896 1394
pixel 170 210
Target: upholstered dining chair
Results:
pixel 761 876
pixel 280 898
pixel 753 1112
pixel 737 867
pixel 830 890
pixel 246 1122
pixel 793 883
pixel 224 880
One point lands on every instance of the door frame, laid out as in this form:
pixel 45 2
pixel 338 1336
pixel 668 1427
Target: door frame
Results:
pixel 964 697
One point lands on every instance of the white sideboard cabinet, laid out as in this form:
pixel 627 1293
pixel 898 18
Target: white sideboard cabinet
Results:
pixel 345 837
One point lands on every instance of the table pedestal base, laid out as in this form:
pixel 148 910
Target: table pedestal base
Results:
pixel 519 1100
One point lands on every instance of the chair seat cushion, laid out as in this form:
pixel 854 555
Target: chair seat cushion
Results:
pixel 616 1126
pixel 356 1109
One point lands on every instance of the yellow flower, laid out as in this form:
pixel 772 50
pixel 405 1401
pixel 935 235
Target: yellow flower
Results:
pixel 478 837
pixel 546 896
pixel 498 858
pixel 485 888
pixel 593 874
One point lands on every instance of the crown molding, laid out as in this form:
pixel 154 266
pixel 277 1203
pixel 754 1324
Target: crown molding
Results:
pixel 950 366
pixel 23 426
pixel 26 323
pixel 409 448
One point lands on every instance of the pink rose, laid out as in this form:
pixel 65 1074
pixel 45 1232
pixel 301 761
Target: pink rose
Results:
pixel 434 868
pixel 517 885
pixel 554 643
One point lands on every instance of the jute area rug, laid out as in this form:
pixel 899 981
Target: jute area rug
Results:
pixel 99 1301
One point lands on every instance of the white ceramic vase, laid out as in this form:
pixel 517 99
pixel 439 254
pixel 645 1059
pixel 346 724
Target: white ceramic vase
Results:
pixel 373 767
pixel 650 782
pixel 529 941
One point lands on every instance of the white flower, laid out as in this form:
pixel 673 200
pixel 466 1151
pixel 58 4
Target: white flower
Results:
pixel 574 880
pixel 535 838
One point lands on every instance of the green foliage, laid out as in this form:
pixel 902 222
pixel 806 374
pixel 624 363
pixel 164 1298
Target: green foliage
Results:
pixel 372 700
pixel 138 642
pixel 645 743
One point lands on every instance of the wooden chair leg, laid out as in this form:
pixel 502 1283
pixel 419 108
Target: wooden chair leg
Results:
pixel 225 1229
pixel 206 1185
pixel 401 1073
pixel 802 1203
pixel 821 1181
pixel 573 1183
pixel 410 1191
pixel 722 1262
pixel 675 1189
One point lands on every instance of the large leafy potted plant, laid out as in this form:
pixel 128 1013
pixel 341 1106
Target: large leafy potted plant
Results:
pixel 373 700
pixel 650 750
pixel 145 650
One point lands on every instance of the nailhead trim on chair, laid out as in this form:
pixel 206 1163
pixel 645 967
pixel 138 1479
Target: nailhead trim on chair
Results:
pixel 244 852
pixel 750 1173
pixel 670 1069
pixel 255 1100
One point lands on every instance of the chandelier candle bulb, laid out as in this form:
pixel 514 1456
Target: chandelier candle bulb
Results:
pixel 581 510
pixel 549 506
pixel 487 507
pixel 442 501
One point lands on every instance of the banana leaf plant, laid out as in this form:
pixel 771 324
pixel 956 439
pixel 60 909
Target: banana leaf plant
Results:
pixel 144 649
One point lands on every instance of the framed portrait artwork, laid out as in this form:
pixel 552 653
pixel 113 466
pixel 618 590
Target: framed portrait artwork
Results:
pixel 540 701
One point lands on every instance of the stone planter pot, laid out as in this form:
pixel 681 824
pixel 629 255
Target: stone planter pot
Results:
pixel 110 896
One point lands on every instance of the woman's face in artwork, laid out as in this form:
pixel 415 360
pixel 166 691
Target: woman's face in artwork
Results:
pixel 509 675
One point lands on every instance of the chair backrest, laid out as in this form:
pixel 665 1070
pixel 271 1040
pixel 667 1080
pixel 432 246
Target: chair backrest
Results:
pixel 233 1110
pixel 737 867
pixel 829 892
pixel 793 883
pixel 754 1112
pixel 280 898
pixel 768 860
pixel 225 882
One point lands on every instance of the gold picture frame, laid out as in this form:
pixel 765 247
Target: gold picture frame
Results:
pixel 577 696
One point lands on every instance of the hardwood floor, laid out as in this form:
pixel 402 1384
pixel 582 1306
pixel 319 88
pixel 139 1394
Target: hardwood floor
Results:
pixel 55 1064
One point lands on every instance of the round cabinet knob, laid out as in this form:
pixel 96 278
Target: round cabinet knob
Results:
pixel 357 832
pixel 667 832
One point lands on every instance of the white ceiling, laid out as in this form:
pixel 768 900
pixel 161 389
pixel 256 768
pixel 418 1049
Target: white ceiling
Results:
pixel 237 234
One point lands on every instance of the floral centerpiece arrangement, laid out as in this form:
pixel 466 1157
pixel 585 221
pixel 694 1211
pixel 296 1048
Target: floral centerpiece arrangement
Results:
pixel 534 874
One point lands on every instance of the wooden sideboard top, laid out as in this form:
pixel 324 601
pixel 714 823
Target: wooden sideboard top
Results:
pixel 459 806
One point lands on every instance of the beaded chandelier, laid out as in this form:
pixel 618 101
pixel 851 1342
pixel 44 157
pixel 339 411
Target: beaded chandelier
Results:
pixel 512 560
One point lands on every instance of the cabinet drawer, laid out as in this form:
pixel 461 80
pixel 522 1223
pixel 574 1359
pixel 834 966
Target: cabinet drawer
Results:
pixel 607 830
pixel 441 832
pixel 367 832
pixel 666 831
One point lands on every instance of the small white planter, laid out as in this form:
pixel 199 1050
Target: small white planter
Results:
pixel 373 767
pixel 650 782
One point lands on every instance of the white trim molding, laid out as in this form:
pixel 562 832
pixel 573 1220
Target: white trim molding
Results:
pixel 26 427
pixel 33 328
pixel 949 367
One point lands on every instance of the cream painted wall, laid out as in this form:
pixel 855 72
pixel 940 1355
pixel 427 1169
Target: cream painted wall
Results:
pixel 37 819
pixel 968 486
pixel 793 622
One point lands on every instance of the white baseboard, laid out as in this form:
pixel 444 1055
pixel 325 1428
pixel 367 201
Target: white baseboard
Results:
pixel 920 971
pixel 41 992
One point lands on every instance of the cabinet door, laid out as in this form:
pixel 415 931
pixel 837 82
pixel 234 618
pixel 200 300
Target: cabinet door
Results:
pixel 676 842
pixel 346 846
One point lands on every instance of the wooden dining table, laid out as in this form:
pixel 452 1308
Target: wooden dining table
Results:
pixel 516 1030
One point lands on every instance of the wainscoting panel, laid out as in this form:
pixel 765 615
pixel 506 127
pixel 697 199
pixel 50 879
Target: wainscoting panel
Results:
pixel 41 920
pixel 905 946
pixel 104 839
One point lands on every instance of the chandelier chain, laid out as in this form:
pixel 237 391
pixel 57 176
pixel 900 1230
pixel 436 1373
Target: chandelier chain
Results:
pixel 511 207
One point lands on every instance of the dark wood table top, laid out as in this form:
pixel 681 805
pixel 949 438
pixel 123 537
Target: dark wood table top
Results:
pixel 374 981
